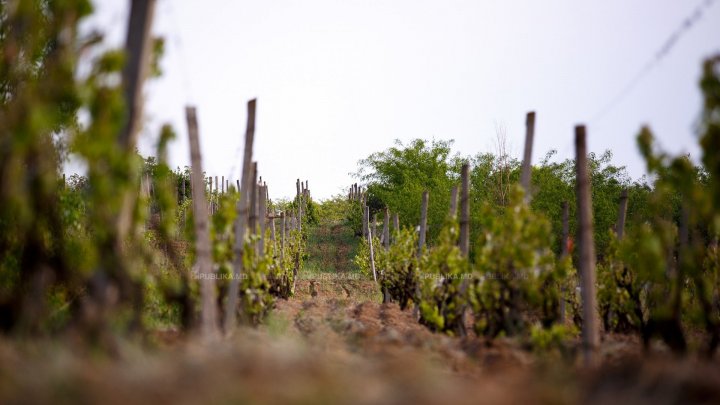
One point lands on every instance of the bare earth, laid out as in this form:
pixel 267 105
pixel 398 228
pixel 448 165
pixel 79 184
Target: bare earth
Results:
pixel 335 343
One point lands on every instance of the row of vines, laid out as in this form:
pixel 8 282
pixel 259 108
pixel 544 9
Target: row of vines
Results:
pixel 655 240
pixel 130 244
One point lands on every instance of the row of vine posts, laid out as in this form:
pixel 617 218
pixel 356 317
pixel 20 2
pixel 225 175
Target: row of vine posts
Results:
pixel 253 222
pixel 253 215
pixel 586 263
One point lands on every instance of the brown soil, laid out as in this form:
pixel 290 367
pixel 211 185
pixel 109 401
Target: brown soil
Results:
pixel 335 343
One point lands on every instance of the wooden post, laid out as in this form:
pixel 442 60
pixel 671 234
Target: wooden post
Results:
pixel 423 221
pixel 242 221
pixel 282 237
pixel 183 188
pixel 238 185
pixel 252 219
pixel 365 219
pixel 222 185
pixel 453 201
pixel 591 336
pixel 272 232
pixel 564 252
pixel 203 260
pixel 622 213
pixel 386 244
pixel 527 156
pixel 254 196
pixel 372 252
pixel 137 50
pixel 262 213
pixel 464 241
pixel 386 229
pixel 299 205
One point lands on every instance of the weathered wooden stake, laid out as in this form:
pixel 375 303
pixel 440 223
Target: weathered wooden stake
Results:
pixel 203 260
pixel 564 252
pixel 262 213
pixel 272 232
pixel 282 237
pixel 138 51
pixel 255 215
pixel 591 335
pixel 527 156
pixel 365 223
pixel 252 222
pixel 299 205
pixel 464 241
pixel 386 229
pixel 241 223
pixel 372 252
pixel 622 213
pixel 423 221
pixel 386 243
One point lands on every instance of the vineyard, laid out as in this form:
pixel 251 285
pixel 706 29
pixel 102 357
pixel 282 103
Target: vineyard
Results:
pixel 438 277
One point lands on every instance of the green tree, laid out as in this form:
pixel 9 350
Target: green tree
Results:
pixel 397 177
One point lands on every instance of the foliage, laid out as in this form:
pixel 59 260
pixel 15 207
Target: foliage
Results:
pixel 664 278
pixel 398 267
pixel 396 178
pixel 518 272
pixel 551 340
pixel 336 210
pixel 443 283
pixel 96 253
pixel 362 257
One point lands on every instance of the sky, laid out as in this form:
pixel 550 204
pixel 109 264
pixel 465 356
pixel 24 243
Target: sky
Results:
pixel 338 80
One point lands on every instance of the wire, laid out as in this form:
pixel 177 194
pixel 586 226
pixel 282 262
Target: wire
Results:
pixel 660 54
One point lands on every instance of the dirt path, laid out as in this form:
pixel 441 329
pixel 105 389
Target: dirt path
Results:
pixel 337 310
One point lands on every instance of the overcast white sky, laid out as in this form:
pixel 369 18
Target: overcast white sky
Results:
pixel 338 80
